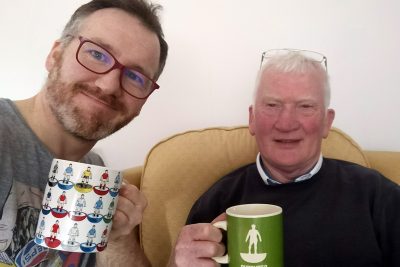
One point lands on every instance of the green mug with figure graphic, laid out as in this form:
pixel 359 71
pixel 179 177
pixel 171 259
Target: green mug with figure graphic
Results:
pixel 255 236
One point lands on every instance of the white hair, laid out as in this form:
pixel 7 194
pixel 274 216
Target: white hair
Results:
pixel 295 62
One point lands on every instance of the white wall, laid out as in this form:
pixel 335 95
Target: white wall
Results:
pixel 215 49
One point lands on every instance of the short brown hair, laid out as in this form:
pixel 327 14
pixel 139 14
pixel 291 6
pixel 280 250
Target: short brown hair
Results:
pixel 145 11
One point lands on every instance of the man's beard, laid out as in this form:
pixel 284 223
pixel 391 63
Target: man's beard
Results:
pixel 74 119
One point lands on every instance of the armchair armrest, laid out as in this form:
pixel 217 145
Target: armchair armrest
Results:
pixel 133 175
pixel 386 162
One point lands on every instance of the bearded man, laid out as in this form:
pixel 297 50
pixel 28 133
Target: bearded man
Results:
pixel 101 71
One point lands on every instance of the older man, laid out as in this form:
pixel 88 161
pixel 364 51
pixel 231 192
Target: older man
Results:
pixel 336 213
pixel 101 72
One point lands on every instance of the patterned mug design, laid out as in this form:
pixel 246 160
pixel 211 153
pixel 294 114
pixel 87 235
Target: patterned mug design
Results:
pixel 78 206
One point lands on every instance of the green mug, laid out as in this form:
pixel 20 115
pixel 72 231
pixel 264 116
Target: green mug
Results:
pixel 255 236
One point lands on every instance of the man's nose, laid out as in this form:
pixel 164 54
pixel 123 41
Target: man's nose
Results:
pixel 110 83
pixel 287 120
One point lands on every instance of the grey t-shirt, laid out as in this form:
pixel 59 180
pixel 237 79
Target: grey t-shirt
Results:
pixel 24 166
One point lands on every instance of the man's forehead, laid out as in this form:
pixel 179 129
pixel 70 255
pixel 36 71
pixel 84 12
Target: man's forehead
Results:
pixel 272 76
pixel 108 23
pixel 124 35
pixel 276 83
pixel 106 15
pixel 114 22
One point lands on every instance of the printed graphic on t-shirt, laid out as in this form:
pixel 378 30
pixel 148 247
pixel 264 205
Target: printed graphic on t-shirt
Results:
pixel 17 230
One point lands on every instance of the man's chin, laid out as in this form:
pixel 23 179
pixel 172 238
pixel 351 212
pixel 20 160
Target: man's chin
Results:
pixel 97 131
pixel 91 135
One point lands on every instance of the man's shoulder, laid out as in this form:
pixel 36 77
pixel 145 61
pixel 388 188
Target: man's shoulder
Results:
pixel 8 114
pixel 7 109
pixel 348 166
pixel 4 103
pixel 249 169
pixel 13 128
pixel 355 173
pixel 233 179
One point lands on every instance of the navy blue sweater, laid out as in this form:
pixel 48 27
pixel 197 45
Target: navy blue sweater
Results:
pixel 345 215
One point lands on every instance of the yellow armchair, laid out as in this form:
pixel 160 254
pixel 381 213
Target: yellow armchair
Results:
pixel 180 168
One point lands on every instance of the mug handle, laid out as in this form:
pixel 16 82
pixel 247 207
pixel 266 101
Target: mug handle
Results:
pixel 223 259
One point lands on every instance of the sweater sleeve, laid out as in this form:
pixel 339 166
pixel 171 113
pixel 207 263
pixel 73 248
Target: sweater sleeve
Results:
pixel 387 221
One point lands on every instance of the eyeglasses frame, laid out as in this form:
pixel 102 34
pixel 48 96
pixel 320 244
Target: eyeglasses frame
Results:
pixel 324 59
pixel 117 65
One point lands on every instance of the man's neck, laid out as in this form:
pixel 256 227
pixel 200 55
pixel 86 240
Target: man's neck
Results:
pixel 44 124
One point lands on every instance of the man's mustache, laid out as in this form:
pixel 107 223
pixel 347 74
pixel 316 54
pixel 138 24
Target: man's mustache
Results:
pixel 111 100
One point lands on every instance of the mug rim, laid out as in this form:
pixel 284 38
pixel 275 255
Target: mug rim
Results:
pixel 269 210
pixel 83 164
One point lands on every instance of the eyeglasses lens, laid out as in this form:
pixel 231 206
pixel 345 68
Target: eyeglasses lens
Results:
pixel 100 61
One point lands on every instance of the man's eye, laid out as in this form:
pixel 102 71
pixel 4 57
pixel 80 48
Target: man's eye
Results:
pixel 306 109
pixel 272 105
pixel 272 108
pixel 135 77
pixel 98 56
pixel 306 106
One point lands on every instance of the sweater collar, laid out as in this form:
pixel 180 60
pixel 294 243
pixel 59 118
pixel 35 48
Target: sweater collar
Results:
pixel 269 180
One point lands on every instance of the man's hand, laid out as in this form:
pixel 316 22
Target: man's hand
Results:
pixel 129 212
pixel 123 248
pixel 197 244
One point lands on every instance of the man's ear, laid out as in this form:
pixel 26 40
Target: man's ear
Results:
pixel 251 120
pixel 54 56
pixel 330 116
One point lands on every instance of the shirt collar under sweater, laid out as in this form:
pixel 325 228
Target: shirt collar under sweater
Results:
pixel 268 180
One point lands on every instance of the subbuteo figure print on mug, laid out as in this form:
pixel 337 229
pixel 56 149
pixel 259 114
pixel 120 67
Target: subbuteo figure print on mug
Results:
pixel 78 206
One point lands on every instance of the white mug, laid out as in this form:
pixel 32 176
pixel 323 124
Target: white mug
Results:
pixel 78 206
